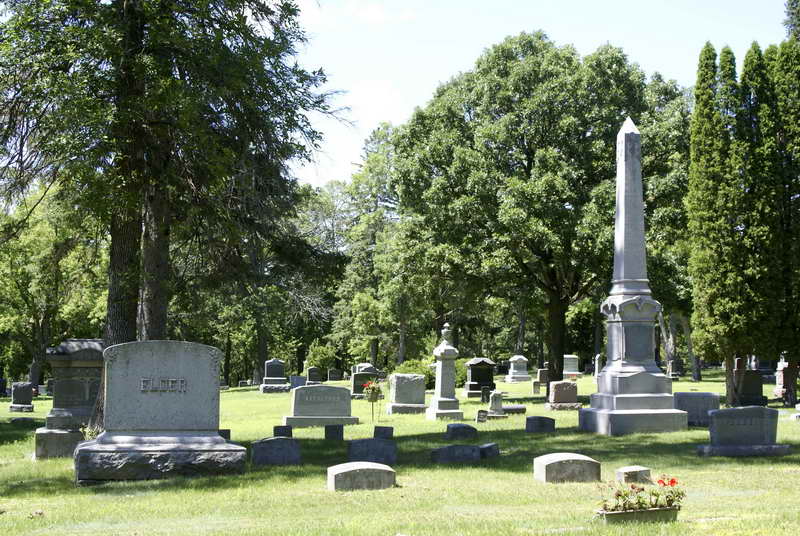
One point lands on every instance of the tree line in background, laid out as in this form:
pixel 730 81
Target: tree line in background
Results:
pixel 147 195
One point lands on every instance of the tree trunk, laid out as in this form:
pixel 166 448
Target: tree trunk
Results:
pixel 697 374
pixel 519 347
pixel 373 351
pixel 155 260
pixel 556 319
pixel 540 343
pixel 226 364
pixel 401 342
pixel 668 339
pixel 262 349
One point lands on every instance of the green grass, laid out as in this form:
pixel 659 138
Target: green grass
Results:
pixel 499 497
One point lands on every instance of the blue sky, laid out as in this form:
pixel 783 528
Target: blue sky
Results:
pixel 388 56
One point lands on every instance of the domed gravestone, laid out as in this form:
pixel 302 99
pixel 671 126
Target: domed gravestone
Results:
pixel 161 416
pixel 566 467
pixel 360 475
pixel 77 365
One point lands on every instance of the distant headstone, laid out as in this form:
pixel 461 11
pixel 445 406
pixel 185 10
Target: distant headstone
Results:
pixel 785 379
pixel 502 367
pixel 444 404
pixel 749 385
pixel 383 432
pixel 489 450
pixel 161 416
pixel 77 365
pixel 571 364
pixel 480 374
pixel 697 406
pixel 563 396
pixel 358 380
pixel 21 397
pixel 314 374
pixel 537 387
pixel 537 425
pixel 297 381
pixel 364 367
pixel 282 431
pixel 566 467
pixel 276 451
pixel 496 406
pixel 633 473
pixel 334 432
pixel 406 394
pixel 519 370
pixel 456 454
pixel 274 373
pixel 460 431
pixel 481 416
pixel 743 431
pixel 543 374
pixel 334 375
pixel 360 475
pixel 318 405
pixel 372 450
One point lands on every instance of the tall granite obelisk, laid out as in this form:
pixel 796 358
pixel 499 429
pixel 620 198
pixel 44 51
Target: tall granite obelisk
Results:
pixel 444 404
pixel 633 394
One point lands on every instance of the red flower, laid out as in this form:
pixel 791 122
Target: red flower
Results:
pixel 661 482
pixel 673 482
pixel 366 384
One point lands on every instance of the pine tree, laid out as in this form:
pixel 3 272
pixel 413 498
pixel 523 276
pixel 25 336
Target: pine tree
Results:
pixel 792 20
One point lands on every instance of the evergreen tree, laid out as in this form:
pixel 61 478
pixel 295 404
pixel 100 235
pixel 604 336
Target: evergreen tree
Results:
pixel 792 21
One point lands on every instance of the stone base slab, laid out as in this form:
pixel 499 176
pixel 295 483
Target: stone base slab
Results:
pixel 740 451
pixel 515 409
pixel 405 408
pixel 274 388
pixel 517 379
pixel 52 443
pixel 20 408
pixel 621 422
pixel 491 415
pixel 562 406
pixel 301 422
pixel 276 380
pixel 141 456
pixel 433 414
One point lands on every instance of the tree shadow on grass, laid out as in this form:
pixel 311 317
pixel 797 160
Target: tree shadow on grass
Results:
pixel 12 432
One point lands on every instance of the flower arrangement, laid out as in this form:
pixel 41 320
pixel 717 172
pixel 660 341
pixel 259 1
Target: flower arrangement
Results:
pixel 631 497
pixel 372 392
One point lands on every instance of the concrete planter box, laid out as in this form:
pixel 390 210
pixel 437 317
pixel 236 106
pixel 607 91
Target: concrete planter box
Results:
pixel 651 515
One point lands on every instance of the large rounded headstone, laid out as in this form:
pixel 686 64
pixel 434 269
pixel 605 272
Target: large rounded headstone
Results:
pixel 566 467
pixel 360 475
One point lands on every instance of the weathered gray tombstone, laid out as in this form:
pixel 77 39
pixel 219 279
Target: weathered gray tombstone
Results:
pixel 537 425
pixel 496 410
pixel 460 431
pixel 697 406
pixel 383 432
pixel 566 467
pixel 563 396
pixel 372 450
pixel 519 370
pixel 314 374
pixel 77 366
pixel 406 394
pixel 358 380
pixel 456 454
pixel 489 450
pixel 360 475
pixel 749 385
pixel 276 451
pixel 743 431
pixel 334 432
pixel 633 394
pixel 571 364
pixel 318 405
pixel 297 381
pixel 480 374
pixel 334 375
pixel 444 404
pixel 161 416
pixel 21 397
pixel 274 372
pixel 633 473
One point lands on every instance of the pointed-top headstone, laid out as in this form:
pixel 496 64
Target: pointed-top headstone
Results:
pixel 630 268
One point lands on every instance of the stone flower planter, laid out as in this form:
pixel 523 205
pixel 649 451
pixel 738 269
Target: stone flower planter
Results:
pixel 651 515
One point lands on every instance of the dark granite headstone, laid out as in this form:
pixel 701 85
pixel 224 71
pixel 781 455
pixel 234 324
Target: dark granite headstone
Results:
pixel 480 374
pixel 372 450
pixel 334 432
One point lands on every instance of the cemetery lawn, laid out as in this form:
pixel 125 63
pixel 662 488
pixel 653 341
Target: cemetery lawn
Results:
pixel 753 496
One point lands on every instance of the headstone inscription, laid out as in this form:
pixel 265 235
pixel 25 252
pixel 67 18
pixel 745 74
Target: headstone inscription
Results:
pixel 480 374
pixel 77 366
pixel 519 370
pixel 161 416
pixel 21 397
pixel 444 404
pixel 406 394
pixel 319 405
pixel 743 431
pixel 633 394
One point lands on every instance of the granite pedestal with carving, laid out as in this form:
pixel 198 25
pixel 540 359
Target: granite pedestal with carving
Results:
pixel 444 404
pixel 161 416
pixel 634 395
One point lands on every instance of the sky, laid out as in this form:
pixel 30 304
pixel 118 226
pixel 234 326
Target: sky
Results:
pixel 387 57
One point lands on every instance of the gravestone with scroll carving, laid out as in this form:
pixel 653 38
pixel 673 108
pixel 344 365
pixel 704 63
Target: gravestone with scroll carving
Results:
pixel 161 416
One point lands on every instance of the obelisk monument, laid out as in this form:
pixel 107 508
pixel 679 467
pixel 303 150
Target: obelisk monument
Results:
pixel 633 394
pixel 444 404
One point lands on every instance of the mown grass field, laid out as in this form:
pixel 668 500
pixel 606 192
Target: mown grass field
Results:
pixel 754 496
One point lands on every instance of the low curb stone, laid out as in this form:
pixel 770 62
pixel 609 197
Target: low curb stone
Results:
pixel 460 431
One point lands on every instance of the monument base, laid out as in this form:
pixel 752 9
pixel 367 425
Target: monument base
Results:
pixel 273 381
pixel 274 388
pixel 444 408
pixel 405 408
pixel 738 451
pixel 155 455
pixel 300 422
pixel 20 408
pixel 631 421
pixel 471 394
pixel 491 415
pixel 519 378
pixel 53 443
pixel 514 409
pixel 562 406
